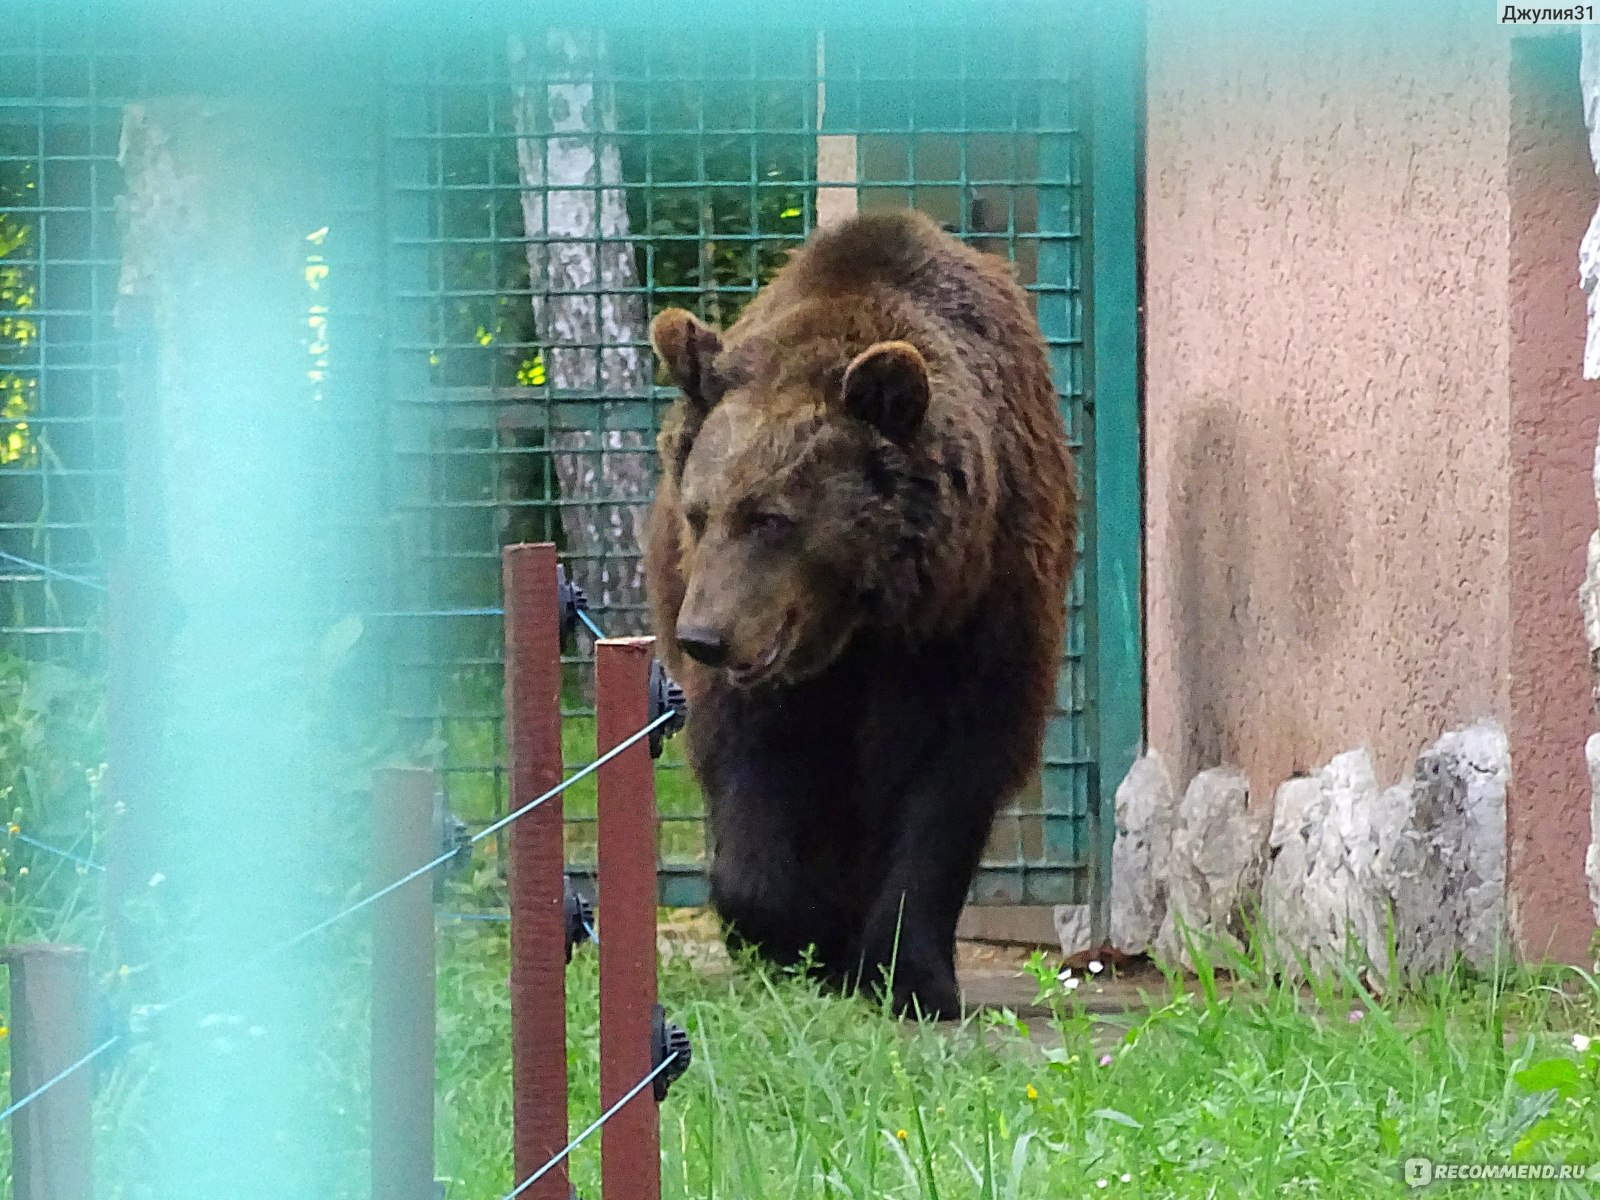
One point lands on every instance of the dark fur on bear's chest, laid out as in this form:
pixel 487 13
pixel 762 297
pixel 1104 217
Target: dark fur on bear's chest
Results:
pixel 855 735
pixel 811 790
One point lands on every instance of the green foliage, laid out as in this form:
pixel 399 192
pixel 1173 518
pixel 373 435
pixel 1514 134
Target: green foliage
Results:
pixel 19 331
pixel 1234 1084
pixel 1558 1117
pixel 468 744
pixel 52 762
pixel 1255 1090
pixel 709 247
pixel 705 246
pixel 720 209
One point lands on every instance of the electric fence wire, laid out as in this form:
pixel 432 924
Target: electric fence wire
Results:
pixel 422 614
pixel 61 1076
pixel 49 572
pixel 38 568
pixel 561 1155
pixel 86 863
pixel 304 935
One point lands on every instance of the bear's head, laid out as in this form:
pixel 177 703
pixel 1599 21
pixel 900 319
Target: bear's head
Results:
pixel 794 461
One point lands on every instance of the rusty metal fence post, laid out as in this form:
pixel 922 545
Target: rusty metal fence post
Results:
pixel 537 868
pixel 404 989
pixel 631 1141
pixel 53 1138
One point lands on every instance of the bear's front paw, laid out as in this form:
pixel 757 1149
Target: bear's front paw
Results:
pixel 935 999
pixel 919 987
pixel 784 927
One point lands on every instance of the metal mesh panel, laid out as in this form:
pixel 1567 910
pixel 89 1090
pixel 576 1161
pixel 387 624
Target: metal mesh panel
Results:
pixel 72 367
pixel 529 410
pixel 60 436
pixel 504 216
pixel 550 193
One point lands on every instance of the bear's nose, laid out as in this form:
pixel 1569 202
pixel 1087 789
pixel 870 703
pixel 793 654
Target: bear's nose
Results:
pixel 703 646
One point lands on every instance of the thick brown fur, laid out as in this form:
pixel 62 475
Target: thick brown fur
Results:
pixel 864 534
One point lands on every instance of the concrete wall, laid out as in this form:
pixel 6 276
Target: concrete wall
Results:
pixel 1359 493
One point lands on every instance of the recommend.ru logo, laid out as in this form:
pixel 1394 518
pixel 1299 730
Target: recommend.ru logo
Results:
pixel 1420 1172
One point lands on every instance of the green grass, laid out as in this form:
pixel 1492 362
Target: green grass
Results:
pixel 1266 1090
pixel 1258 1089
pixel 1254 1089
pixel 472 748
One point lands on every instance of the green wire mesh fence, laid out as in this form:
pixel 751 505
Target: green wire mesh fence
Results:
pixel 506 210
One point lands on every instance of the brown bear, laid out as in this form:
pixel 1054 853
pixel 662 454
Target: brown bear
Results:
pixel 858 566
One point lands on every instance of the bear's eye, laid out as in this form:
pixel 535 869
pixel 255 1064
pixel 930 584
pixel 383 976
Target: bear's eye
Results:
pixel 696 517
pixel 771 527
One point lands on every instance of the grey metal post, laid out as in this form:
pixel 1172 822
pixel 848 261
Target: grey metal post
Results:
pixel 53 1137
pixel 403 989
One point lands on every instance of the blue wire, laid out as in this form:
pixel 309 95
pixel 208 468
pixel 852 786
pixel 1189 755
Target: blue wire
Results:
pixel 440 612
pixel 59 853
pixel 582 1137
pixel 29 565
pixel 373 898
pixel 88 1058
pixel 425 613
pixel 401 614
pixel 588 926
pixel 307 934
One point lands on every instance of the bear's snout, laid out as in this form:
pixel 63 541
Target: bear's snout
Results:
pixel 703 645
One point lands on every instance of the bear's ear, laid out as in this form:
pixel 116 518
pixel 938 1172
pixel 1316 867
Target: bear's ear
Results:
pixel 887 387
pixel 686 345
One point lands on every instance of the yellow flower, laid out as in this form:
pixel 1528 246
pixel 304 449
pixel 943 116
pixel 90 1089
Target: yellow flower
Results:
pixel 901 1134
pixel 13 829
pixel 1033 1092
pixel 5 1031
pixel 531 372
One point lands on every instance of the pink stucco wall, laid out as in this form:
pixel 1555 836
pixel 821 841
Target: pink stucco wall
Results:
pixel 1326 401
pixel 1554 412
pixel 1365 462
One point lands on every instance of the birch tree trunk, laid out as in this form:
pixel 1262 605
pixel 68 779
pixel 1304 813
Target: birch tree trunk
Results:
pixel 587 317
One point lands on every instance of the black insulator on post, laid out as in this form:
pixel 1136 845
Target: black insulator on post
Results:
pixel 665 696
pixel 580 919
pixel 572 600
pixel 670 1041
pixel 450 836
